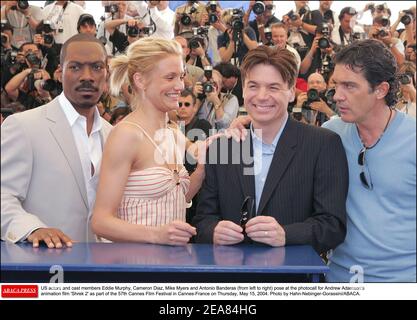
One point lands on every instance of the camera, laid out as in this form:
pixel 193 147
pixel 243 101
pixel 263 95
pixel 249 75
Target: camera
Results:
pixel 22 5
pixel 112 8
pixel 48 38
pixel 385 21
pixel 327 65
pixel 47 27
pixel 33 59
pixel 47 85
pixel 258 8
pixel 268 36
pixel 409 16
pixel 324 41
pixel 381 33
pixel 197 38
pixel 132 31
pixel 293 16
pixel 237 20
pixel 328 16
pixel 186 18
pixel 208 86
pixel 404 79
pixel 212 15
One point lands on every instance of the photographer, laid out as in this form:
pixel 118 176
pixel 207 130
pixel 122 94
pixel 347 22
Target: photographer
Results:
pixel 279 35
pixel 87 24
pixel 158 14
pixel 32 85
pixel 238 39
pixel 23 18
pixel 232 81
pixel 187 16
pixel 115 10
pixel 407 95
pixel 313 104
pixel 343 35
pixel 213 17
pixel 264 12
pixel 192 73
pixel 134 30
pixel 45 39
pixel 380 31
pixel 217 108
pixel 198 48
pixel 63 16
pixel 8 53
pixel 302 24
pixel 319 58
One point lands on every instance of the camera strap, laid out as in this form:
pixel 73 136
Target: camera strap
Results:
pixel 343 37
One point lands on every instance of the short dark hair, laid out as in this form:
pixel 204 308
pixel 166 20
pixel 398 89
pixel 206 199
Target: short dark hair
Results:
pixel 80 37
pixel 227 69
pixel 26 44
pixel 375 61
pixel 282 60
pixel 187 92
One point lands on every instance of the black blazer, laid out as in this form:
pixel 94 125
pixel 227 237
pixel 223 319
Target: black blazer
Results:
pixel 305 189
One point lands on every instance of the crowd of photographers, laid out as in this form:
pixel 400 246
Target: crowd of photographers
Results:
pixel 214 40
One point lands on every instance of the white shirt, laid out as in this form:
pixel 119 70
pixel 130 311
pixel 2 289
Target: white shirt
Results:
pixel 63 19
pixel 164 19
pixel 89 148
pixel 297 56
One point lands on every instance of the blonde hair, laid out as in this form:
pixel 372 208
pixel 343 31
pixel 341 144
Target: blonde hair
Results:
pixel 141 57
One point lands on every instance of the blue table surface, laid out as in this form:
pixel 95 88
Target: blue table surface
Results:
pixel 134 257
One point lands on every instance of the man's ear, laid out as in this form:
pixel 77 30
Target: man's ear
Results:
pixel 382 90
pixel 292 94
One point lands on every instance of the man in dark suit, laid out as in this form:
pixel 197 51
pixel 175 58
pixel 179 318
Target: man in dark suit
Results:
pixel 294 189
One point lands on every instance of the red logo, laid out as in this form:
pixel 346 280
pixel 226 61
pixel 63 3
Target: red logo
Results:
pixel 19 291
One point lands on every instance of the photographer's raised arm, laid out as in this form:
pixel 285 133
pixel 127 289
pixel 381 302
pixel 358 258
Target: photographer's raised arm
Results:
pixel 250 44
pixel 111 25
pixel 226 52
pixel 12 87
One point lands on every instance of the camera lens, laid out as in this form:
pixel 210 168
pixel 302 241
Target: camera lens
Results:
pixel 313 95
pixel 33 59
pixel 194 43
pixel 186 19
pixel 133 31
pixel 406 20
pixel 324 43
pixel 404 79
pixel 208 87
pixel 48 38
pixel 302 11
pixel 48 85
pixel 258 8
pixel 23 5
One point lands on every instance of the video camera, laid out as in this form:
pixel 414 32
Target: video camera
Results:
pixel 186 18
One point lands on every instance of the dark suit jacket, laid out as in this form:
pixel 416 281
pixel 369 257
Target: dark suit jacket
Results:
pixel 305 190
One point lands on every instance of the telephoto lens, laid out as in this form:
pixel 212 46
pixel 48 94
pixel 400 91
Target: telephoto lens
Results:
pixel 23 5
pixel 404 79
pixel 313 95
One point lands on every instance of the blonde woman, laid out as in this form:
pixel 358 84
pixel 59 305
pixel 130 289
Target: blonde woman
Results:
pixel 144 189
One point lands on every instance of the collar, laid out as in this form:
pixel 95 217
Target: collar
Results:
pixel 72 115
pixel 277 136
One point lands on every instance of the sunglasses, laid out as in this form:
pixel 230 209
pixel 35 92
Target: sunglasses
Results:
pixel 186 104
pixel 365 176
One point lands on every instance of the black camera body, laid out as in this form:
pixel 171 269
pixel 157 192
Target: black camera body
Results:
pixel 4 39
pixel 48 38
pixel 237 20
pixel 132 31
pixel 212 12
pixel 33 59
pixel 198 37
pixel 328 16
pixel 385 21
pixel 324 42
pixel 208 85
pixel 327 65
pixel 268 36
pixel 292 15
pixel 112 8
pixel 47 27
pixel 186 17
